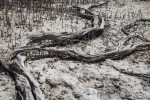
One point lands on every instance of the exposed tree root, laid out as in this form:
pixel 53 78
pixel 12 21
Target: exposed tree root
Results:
pixel 64 38
pixel 28 86
pixel 25 82
pixel 97 5
pixel 126 28
pixel 146 76
pixel 119 53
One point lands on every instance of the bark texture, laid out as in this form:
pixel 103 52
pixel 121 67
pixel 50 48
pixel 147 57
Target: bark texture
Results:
pixel 29 88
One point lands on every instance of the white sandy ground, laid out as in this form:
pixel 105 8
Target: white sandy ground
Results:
pixel 74 80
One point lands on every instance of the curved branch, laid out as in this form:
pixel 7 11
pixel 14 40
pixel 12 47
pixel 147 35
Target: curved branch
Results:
pixel 126 28
pixel 123 41
pixel 64 38
pixel 83 11
pixel 72 54
pixel 97 5
pixel 147 76
pixel 25 82
pixel 29 87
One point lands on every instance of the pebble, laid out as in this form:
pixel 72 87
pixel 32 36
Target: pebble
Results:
pixel 99 85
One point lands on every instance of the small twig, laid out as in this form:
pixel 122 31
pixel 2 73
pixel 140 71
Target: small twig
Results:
pixel 147 76
pixel 97 5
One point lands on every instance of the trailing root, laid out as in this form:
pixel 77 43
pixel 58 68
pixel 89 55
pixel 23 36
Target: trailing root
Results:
pixel 29 88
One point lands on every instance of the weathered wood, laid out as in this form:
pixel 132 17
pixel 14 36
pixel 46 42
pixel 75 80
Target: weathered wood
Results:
pixel 120 52
pixel 126 28
pixel 97 5
pixel 28 86
pixel 64 38
pixel 147 76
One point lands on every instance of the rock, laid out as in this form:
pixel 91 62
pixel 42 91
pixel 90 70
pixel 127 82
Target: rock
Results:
pixel 42 80
pixel 99 85
pixel 4 83
pixel 77 95
pixel 63 92
pixel 72 67
pixel 44 68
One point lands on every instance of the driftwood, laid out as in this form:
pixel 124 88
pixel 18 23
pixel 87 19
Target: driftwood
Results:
pixel 27 85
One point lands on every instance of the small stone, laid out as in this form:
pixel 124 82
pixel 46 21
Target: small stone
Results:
pixel 99 85
pixel 3 84
pixel 63 92
pixel 77 95
pixel 72 67
pixel 41 81
pixel 44 68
